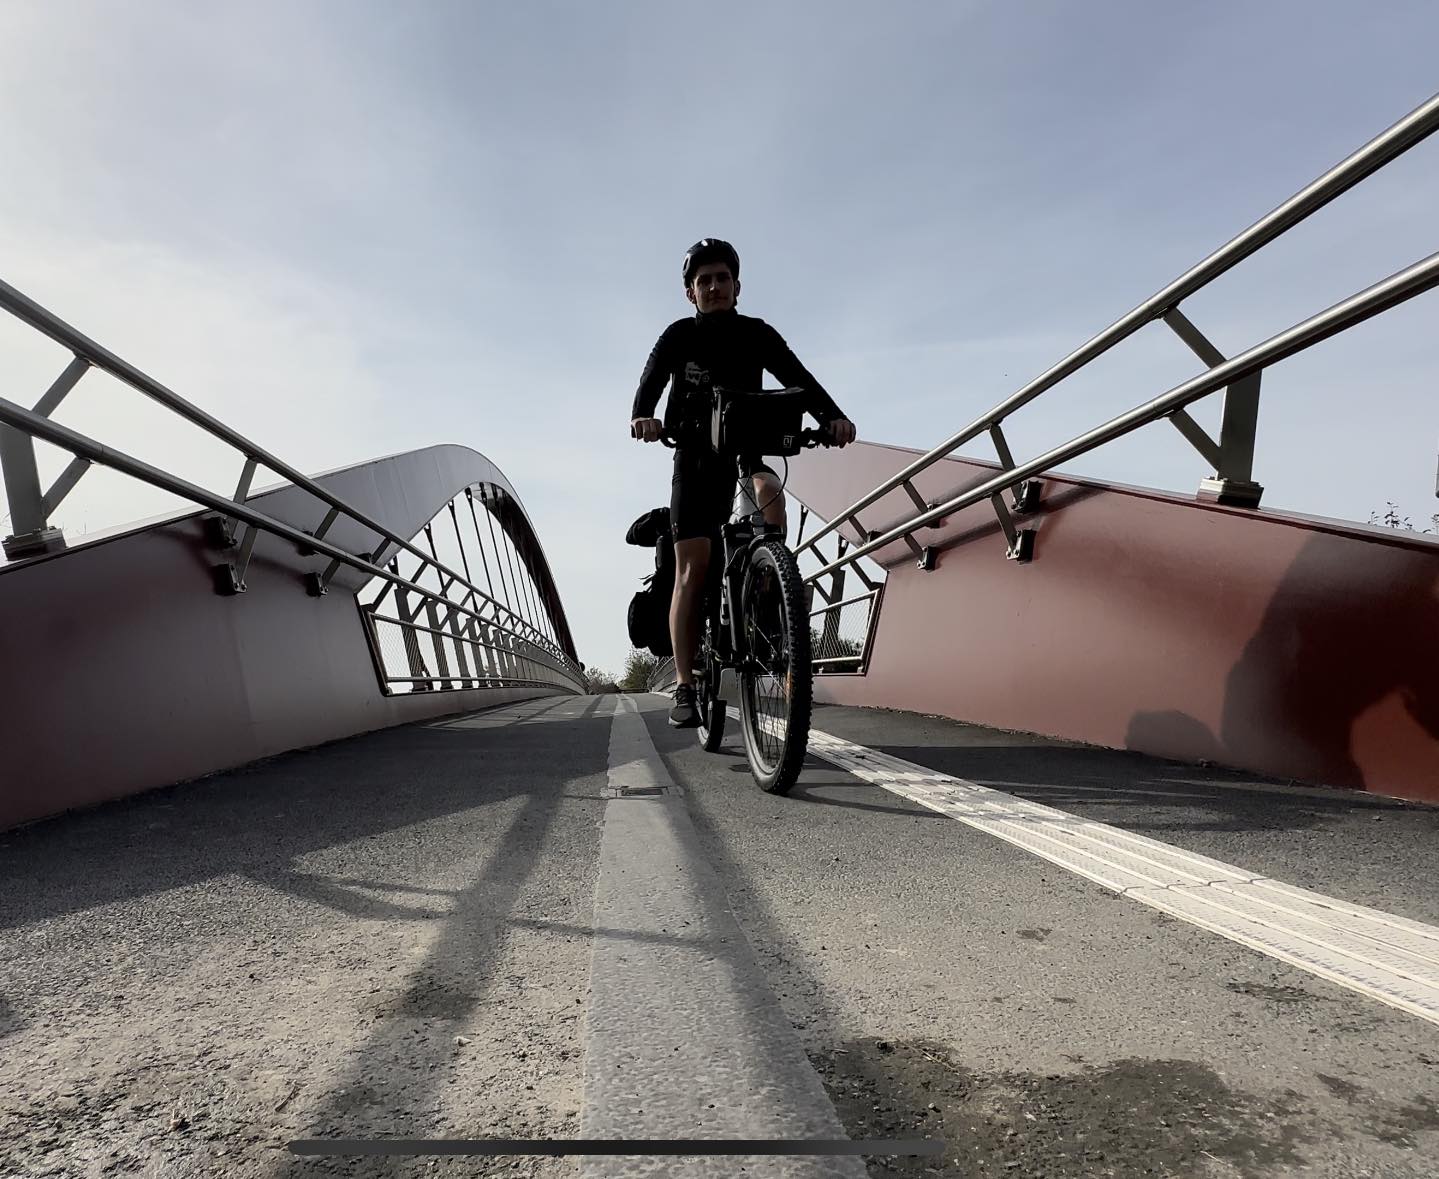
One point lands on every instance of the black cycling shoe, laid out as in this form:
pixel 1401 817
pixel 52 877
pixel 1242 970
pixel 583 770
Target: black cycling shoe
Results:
pixel 684 715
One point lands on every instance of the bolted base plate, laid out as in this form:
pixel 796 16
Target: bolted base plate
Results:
pixel 34 544
pixel 1231 493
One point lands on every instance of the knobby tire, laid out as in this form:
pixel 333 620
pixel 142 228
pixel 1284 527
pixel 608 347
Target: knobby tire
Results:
pixel 775 758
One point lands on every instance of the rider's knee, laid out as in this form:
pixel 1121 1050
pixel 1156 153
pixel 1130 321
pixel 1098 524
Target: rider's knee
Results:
pixel 770 494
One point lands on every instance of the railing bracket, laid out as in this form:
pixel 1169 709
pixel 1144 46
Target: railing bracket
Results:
pixel 218 533
pixel 928 558
pixel 1019 542
pixel 1022 548
pixel 227 579
pixel 913 493
pixel 1026 496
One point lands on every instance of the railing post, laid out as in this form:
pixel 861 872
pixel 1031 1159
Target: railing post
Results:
pixel 419 674
pixel 829 637
pixel 437 640
pixel 31 535
pixel 1234 482
pixel 30 508
pixel 1233 456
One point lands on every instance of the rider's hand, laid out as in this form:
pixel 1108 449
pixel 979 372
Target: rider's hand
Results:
pixel 842 431
pixel 646 429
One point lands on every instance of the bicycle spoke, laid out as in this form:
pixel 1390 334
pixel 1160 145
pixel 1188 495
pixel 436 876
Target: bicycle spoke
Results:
pixel 768 670
pixel 769 692
pixel 775 689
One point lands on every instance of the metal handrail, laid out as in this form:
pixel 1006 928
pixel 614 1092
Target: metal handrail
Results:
pixel 1382 149
pixel 83 446
pixel 83 348
pixel 864 597
pixel 1399 287
pixel 520 656
pixel 492 681
pixel 663 670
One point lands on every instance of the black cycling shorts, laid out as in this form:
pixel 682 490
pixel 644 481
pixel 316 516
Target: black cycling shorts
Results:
pixel 703 488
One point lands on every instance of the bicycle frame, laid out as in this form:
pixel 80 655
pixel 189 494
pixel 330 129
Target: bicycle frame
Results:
pixel 737 539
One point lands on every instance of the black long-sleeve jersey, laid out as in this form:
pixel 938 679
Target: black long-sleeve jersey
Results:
pixel 726 349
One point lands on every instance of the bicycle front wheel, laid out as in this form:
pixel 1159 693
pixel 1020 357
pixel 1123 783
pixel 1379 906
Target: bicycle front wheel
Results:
pixel 776 684
pixel 707 695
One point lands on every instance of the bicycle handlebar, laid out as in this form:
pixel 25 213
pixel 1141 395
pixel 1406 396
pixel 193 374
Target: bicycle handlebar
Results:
pixel 807 438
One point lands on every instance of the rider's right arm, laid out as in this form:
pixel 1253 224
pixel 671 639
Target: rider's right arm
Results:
pixel 652 380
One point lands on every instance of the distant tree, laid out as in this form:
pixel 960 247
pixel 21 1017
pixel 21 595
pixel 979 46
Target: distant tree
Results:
pixel 599 681
pixel 1393 519
pixel 639 667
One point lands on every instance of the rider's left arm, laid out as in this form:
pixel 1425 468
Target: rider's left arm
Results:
pixel 785 365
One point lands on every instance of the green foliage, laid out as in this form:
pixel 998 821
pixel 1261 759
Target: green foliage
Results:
pixel 639 667
pixel 599 682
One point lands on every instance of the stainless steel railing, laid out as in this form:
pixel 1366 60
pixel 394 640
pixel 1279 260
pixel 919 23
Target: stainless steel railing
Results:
pixel 842 620
pixel 840 632
pixel 531 651
pixel 31 508
pixel 1398 288
pixel 1231 456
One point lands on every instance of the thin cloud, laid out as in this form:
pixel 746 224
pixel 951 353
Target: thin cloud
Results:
pixel 348 229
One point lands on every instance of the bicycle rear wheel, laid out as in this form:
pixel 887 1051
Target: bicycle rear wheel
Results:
pixel 776 684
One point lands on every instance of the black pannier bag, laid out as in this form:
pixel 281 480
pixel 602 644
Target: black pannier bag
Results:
pixel 649 613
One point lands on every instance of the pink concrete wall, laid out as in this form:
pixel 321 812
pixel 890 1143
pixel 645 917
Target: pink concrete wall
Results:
pixel 122 670
pixel 1293 647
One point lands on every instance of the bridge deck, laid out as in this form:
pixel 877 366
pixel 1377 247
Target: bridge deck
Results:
pixel 458 929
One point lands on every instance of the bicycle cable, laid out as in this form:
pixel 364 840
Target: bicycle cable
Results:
pixel 782 485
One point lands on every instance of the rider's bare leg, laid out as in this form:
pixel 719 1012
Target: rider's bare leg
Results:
pixel 692 559
pixel 768 492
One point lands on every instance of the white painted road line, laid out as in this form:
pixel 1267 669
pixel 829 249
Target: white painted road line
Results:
pixel 684 1039
pixel 1392 959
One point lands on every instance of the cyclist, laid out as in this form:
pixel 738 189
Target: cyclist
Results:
pixel 717 346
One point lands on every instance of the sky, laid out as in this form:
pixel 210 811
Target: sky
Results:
pixel 352 229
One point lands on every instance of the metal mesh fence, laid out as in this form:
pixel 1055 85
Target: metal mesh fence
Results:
pixel 838 633
pixel 842 604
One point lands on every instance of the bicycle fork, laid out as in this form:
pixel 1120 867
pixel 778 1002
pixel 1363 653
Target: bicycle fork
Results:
pixel 738 539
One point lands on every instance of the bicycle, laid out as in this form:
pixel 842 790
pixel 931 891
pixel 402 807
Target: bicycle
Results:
pixel 756 617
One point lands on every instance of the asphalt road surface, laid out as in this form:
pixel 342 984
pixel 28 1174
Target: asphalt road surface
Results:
pixel 562 921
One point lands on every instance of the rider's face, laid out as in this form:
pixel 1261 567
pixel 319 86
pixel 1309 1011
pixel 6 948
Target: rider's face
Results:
pixel 713 288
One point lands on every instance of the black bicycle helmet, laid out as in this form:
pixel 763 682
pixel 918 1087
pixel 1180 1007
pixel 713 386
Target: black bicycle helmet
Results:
pixel 710 249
